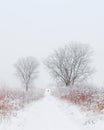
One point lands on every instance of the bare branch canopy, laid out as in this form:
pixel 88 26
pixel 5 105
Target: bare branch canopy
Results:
pixel 26 70
pixel 70 64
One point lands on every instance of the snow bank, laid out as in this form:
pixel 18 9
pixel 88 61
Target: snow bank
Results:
pixel 13 100
pixel 88 97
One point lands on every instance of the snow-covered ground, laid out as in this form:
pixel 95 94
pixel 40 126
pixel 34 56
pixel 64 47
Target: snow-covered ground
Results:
pixel 49 113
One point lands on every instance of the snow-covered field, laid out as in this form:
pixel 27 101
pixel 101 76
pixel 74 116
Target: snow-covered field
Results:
pixel 50 113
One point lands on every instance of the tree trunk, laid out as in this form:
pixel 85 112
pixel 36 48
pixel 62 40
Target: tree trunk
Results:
pixel 26 87
pixel 67 84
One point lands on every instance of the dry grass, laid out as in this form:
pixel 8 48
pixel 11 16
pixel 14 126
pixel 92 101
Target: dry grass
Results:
pixel 87 97
pixel 13 100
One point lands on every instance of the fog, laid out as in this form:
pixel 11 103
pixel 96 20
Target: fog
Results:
pixel 36 28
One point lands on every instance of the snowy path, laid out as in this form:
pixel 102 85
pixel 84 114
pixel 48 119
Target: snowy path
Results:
pixel 43 115
pixel 49 113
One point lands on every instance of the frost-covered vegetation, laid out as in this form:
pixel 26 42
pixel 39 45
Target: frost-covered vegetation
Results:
pixel 87 97
pixel 70 64
pixel 12 100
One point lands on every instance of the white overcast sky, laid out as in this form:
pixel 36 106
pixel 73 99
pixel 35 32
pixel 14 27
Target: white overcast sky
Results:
pixel 37 27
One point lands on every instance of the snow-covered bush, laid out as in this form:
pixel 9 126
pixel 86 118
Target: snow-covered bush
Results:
pixel 12 100
pixel 86 96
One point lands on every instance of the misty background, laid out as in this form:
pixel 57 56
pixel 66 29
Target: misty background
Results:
pixel 36 28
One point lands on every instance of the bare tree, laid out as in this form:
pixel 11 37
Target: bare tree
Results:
pixel 26 70
pixel 70 64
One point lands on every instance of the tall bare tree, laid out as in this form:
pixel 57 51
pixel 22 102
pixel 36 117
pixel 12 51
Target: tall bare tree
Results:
pixel 26 70
pixel 71 63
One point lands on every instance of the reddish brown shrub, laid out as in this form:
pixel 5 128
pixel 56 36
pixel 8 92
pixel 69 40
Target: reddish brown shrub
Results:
pixel 13 100
pixel 90 98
